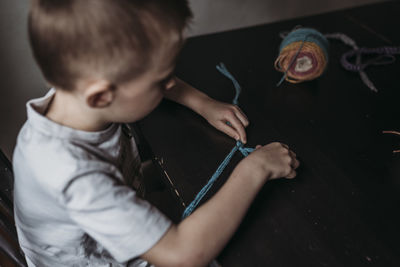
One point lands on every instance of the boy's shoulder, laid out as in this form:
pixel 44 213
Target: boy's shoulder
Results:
pixel 53 162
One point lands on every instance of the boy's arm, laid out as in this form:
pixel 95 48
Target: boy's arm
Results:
pixel 201 236
pixel 215 112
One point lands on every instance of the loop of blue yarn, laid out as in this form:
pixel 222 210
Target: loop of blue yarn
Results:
pixel 239 146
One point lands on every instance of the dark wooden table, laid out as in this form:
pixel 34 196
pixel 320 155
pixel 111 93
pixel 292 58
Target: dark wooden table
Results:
pixel 343 208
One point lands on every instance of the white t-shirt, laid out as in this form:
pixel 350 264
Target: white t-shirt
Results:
pixel 72 202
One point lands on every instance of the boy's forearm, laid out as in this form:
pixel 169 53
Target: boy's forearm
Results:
pixel 202 235
pixel 185 94
pixel 213 224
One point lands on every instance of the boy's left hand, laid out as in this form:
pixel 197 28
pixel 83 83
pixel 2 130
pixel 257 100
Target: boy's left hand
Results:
pixel 227 118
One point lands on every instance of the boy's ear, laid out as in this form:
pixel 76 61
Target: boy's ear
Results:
pixel 100 94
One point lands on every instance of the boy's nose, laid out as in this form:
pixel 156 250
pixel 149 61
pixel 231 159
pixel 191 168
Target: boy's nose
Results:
pixel 171 83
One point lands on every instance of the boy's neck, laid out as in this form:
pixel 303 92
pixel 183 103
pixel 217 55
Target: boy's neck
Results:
pixel 66 109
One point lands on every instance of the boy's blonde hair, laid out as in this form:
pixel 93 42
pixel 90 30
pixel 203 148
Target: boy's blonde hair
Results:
pixel 73 39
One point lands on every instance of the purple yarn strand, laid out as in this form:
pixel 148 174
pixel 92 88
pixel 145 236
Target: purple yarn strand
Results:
pixel 385 56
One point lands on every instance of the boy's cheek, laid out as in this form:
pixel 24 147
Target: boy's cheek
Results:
pixel 134 112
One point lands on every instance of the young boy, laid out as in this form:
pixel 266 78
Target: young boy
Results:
pixel 111 62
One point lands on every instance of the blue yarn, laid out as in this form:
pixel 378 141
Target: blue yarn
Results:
pixel 239 146
pixel 221 67
pixel 311 35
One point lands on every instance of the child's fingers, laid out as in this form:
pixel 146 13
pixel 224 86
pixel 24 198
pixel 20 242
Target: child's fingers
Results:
pixel 292 174
pixel 241 116
pixel 238 126
pixel 229 130
pixel 285 146
pixel 295 163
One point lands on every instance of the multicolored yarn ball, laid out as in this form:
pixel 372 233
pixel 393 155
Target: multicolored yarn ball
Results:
pixel 303 55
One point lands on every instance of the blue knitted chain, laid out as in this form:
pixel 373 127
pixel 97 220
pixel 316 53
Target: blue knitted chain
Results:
pixel 239 146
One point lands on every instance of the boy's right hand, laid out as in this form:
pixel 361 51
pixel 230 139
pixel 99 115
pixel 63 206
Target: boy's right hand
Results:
pixel 271 161
pixel 217 219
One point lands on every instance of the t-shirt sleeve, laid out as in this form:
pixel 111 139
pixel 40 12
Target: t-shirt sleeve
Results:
pixel 113 215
